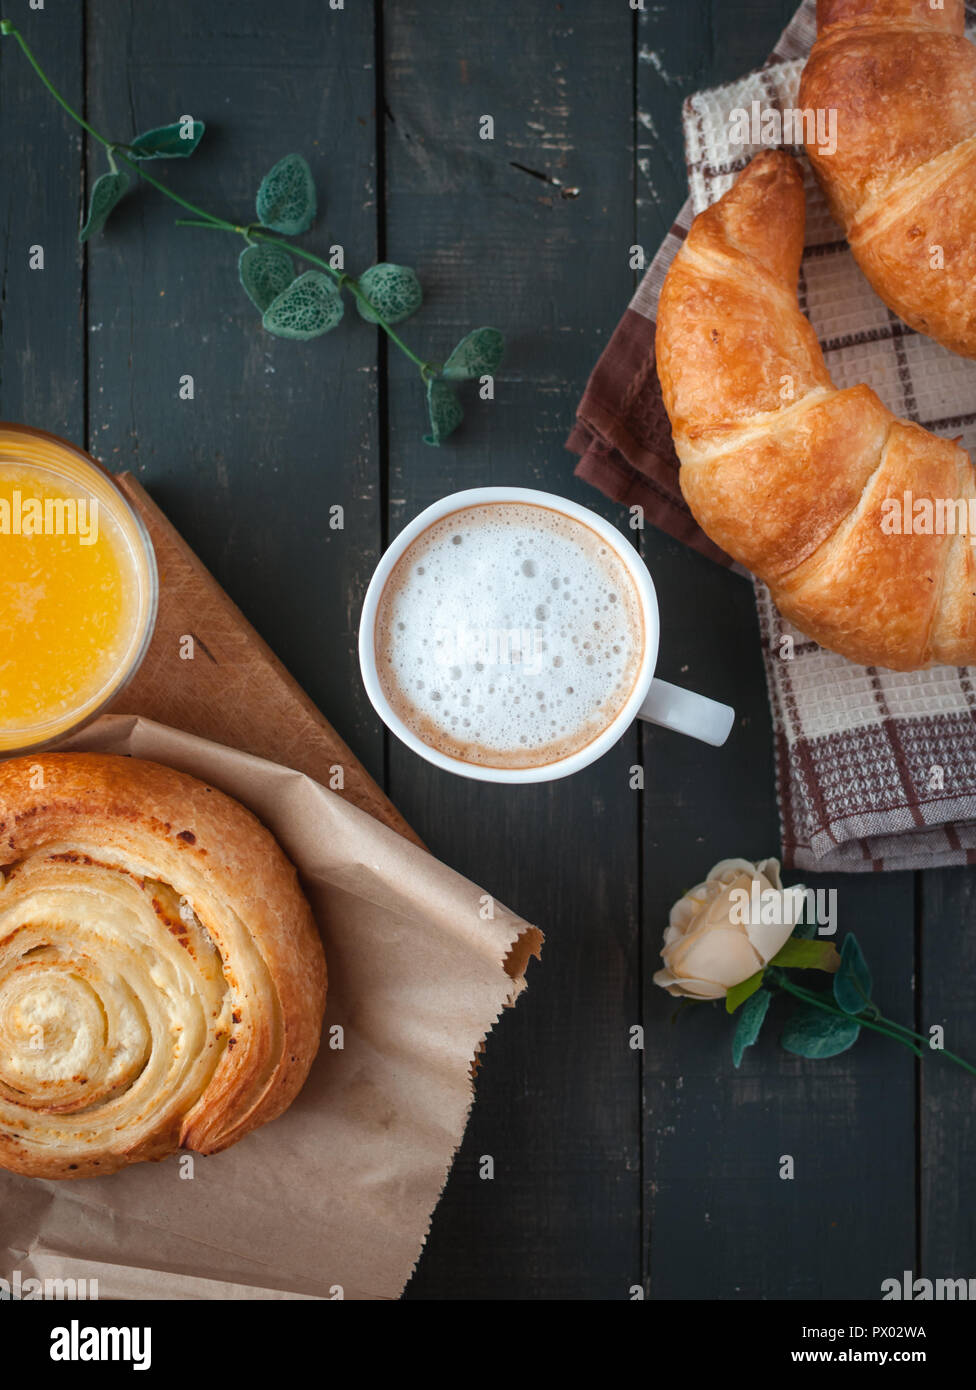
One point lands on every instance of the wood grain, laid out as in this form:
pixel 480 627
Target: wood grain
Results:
pixel 947 1116
pixel 277 433
pixel 614 1168
pixel 208 672
pixel 42 311
pixel 558 1106
pixel 720 1222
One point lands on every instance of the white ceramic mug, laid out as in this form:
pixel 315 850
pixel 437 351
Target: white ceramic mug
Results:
pixel 654 700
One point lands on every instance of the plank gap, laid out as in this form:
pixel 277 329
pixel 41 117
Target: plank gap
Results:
pixel 382 343
pixel 87 442
pixel 918 984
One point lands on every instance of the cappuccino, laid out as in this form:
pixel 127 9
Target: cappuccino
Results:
pixel 509 635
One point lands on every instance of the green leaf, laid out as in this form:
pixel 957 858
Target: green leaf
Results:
pixel 394 290
pixel 264 272
pixel 443 410
pixel 852 983
pixel 286 200
pixel 176 141
pixel 805 931
pixel 738 994
pixel 106 192
pixel 309 307
pixel 811 1032
pixel 807 955
pixel 478 354
pixel 750 1022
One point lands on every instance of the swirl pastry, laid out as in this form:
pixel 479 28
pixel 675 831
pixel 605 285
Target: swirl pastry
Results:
pixel 162 982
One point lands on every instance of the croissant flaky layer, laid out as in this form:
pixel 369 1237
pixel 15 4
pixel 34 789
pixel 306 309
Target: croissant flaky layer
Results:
pixel 801 482
pixel 901 78
pixel 162 981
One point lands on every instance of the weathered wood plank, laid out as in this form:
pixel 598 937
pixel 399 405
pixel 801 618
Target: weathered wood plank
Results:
pixel 278 432
pixel 681 49
pixel 557 1098
pixel 947 1134
pixel 41 311
pixel 720 1222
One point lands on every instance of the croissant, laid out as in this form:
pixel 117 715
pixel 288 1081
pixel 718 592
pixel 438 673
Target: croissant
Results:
pixel 162 982
pixel 901 77
pixel 799 481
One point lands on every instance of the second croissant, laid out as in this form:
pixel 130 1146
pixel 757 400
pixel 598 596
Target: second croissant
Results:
pixel 789 474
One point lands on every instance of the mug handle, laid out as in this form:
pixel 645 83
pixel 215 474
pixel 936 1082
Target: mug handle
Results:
pixel 687 713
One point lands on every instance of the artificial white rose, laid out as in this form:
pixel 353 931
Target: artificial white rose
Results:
pixel 725 929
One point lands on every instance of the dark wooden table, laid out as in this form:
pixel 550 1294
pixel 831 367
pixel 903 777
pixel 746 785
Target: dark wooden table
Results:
pixel 614 1168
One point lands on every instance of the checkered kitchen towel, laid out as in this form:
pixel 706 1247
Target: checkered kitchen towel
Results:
pixel 875 769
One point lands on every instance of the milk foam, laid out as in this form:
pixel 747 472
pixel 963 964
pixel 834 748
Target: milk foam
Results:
pixel 509 635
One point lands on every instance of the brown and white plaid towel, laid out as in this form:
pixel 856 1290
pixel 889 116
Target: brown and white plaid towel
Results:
pixel 875 769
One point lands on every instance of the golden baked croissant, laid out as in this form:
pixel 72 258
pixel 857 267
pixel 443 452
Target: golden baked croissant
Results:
pixel 162 981
pixel 902 181
pixel 790 475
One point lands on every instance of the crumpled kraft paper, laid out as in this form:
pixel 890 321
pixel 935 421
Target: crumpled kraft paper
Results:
pixel 334 1198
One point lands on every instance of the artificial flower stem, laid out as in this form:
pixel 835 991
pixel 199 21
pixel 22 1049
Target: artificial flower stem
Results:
pixel 349 282
pixel 209 218
pixel 819 1002
pixel 927 1047
pixel 893 1029
pixel 887 1027
pixel 7 28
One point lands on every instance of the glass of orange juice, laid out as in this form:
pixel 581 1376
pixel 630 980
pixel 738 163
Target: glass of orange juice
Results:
pixel 78 589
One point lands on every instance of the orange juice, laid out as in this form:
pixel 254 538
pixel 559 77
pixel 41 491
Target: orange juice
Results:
pixel 77 588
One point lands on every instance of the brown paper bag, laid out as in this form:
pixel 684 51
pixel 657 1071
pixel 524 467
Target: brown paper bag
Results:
pixel 334 1198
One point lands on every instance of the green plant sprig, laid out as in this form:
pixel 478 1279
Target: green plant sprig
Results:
pixel 291 306
pixel 824 1024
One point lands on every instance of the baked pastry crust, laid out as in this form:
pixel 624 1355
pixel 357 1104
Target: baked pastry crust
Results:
pixel 162 980
pixel 787 473
pixel 901 77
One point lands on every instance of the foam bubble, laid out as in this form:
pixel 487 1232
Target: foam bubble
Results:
pixel 526 686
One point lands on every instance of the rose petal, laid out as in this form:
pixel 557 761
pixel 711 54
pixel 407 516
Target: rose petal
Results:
pixel 769 868
pixel 692 989
pixel 704 951
pixel 687 908
pixel 767 938
pixel 720 911
pixel 720 954
pixel 727 869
